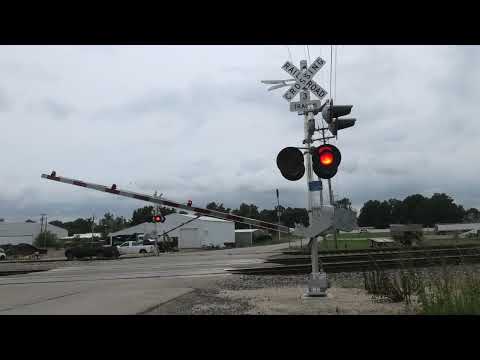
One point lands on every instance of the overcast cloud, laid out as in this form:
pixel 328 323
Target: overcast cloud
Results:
pixel 195 123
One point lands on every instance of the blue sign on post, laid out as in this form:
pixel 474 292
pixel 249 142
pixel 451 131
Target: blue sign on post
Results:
pixel 315 186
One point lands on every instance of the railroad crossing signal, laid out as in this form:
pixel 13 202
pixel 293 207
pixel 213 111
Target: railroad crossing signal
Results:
pixel 290 163
pixel 331 114
pixel 304 79
pixel 159 219
pixel 325 161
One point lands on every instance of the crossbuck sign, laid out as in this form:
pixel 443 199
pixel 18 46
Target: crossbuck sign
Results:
pixel 304 80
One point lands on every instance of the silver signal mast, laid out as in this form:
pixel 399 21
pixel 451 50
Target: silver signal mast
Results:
pixel 161 201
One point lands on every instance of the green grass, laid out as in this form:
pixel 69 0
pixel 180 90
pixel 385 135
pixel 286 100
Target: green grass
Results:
pixel 451 295
pixel 352 236
pixel 355 244
pixel 284 238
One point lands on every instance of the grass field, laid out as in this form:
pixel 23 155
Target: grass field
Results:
pixel 354 244
pixel 357 241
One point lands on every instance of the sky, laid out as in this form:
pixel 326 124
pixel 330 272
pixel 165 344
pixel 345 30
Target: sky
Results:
pixel 195 122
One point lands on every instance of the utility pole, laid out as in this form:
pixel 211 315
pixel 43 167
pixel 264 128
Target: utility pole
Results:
pixel 278 214
pixel 93 224
pixel 156 211
pixel 43 229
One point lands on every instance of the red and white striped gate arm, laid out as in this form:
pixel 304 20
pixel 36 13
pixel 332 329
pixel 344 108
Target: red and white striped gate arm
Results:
pixel 207 212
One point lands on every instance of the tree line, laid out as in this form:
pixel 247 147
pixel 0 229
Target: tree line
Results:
pixel 415 209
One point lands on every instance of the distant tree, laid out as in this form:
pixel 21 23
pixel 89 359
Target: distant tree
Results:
pixel 144 214
pixel 213 206
pixel 472 215
pixel 29 221
pixel 141 215
pixel 414 209
pixel 245 210
pixel 444 210
pixel 344 203
pixel 78 226
pixel 109 224
pixel 396 211
pixel 2 219
pixel 57 223
pixel 291 216
pixel 46 239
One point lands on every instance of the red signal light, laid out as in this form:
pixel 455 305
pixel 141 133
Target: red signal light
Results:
pixel 325 161
pixel 158 218
pixel 326 158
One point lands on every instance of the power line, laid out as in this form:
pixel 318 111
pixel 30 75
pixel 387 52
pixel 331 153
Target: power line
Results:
pixel 335 76
pixel 289 53
pixel 331 57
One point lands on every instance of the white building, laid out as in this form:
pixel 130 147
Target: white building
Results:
pixel 16 233
pixel 202 232
pixel 449 228
pixel 247 237
pixel 82 236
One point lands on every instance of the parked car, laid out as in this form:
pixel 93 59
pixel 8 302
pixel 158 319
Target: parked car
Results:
pixel 135 247
pixel 3 256
pixel 22 249
pixel 91 249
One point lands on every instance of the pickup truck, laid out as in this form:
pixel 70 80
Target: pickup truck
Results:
pixel 91 249
pixel 135 247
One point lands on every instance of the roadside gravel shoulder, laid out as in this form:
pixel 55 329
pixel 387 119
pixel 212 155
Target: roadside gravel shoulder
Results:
pixel 278 295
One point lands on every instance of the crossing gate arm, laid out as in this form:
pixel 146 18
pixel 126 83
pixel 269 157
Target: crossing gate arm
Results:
pixel 148 198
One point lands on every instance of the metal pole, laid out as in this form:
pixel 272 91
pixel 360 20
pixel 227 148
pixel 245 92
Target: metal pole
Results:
pixel 156 212
pixel 278 214
pixel 332 202
pixel 305 96
pixel 93 224
pixel 251 233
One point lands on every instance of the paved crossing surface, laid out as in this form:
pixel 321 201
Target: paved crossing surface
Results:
pixel 128 286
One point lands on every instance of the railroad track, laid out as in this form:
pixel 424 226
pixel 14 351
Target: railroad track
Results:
pixel 364 261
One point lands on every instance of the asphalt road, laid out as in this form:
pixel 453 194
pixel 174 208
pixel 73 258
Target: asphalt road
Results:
pixel 127 286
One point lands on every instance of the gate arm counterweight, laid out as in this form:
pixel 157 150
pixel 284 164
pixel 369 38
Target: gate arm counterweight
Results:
pixel 198 211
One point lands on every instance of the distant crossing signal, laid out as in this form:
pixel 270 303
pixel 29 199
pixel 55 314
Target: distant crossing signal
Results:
pixel 325 161
pixel 290 163
pixel 158 218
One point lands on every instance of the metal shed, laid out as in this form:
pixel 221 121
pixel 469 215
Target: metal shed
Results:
pixel 246 237
pixel 202 232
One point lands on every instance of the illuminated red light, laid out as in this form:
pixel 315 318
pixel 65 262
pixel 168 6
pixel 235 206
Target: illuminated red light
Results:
pixel 326 158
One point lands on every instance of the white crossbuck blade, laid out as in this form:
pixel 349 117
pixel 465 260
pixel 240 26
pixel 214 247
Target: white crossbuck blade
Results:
pixel 277 81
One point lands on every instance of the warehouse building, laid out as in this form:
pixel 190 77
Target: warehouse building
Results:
pixel 248 237
pixel 17 233
pixel 202 232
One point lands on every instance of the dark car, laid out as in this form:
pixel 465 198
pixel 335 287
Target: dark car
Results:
pixel 91 249
pixel 22 249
